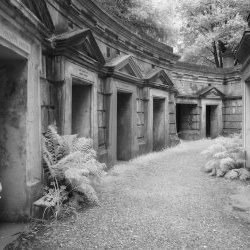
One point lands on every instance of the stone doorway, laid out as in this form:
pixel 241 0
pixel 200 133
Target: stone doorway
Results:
pixel 13 109
pixel 211 121
pixel 81 109
pixel 158 123
pixel 124 126
pixel 187 121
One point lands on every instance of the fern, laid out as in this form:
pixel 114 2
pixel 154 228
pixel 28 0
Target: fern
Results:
pixel 72 160
pixel 226 156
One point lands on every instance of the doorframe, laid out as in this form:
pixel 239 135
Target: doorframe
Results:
pixel 73 73
pixel 156 93
pixel 80 82
pixel 130 94
pixel 207 102
pixel 120 86
pixel 163 99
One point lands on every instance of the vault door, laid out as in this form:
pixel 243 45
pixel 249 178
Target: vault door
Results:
pixel 208 121
pixel 124 126
pixel 158 124
pixel 214 121
pixel 81 110
pixel 211 121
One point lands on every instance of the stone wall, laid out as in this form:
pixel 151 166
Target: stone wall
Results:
pixel 140 116
pixel 188 121
pixel 191 79
pixel 232 116
pixel 102 116
pixel 48 97
pixel 172 120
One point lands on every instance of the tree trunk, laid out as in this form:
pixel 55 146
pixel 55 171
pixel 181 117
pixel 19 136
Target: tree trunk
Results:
pixel 215 54
pixel 220 58
pixel 222 49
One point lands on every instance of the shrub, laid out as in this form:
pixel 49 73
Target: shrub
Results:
pixel 227 164
pixel 226 158
pixel 211 166
pixel 71 162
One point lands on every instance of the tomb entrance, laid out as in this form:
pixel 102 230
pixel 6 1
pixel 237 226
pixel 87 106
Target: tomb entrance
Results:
pixel 211 121
pixel 81 109
pixel 158 123
pixel 13 109
pixel 187 121
pixel 124 125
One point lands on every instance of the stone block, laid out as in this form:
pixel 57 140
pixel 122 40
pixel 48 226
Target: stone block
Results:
pixel 45 93
pixel 100 101
pixel 140 118
pixel 145 93
pixel 171 109
pixel 172 128
pixel 233 118
pixel 139 92
pixel 44 118
pixel 233 110
pixel 172 118
pixel 101 119
pixel 233 125
pixel 139 105
pixel 52 90
pixel 51 116
pixel 101 136
pixel 140 131
pixel 100 86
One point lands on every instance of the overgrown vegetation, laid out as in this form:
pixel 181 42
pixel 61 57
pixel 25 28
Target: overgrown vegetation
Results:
pixel 210 27
pixel 226 158
pixel 144 17
pixel 72 171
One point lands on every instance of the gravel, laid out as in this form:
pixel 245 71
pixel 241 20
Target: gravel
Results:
pixel 159 201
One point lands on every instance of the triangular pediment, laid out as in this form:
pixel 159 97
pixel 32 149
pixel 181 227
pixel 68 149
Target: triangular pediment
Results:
pixel 159 78
pixel 127 69
pixel 82 41
pixel 126 65
pixel 211 92
pixel 40 10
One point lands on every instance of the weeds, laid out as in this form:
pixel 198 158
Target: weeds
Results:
pixel 227 158
pixel 72 170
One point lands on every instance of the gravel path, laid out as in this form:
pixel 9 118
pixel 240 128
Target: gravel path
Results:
pixel 158 201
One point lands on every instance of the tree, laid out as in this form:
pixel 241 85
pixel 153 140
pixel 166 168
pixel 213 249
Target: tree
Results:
pixel 209 27
pixel 145 17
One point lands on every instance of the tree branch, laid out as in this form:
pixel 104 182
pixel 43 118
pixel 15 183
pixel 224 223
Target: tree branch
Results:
pixel 209 60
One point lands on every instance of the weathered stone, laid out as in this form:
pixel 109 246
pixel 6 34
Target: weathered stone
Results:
pixel 82 86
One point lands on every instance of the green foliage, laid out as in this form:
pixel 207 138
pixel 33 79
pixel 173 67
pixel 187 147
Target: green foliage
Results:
pixel 72 163
pixel 144 17
pixel 226 157
pixel 210 27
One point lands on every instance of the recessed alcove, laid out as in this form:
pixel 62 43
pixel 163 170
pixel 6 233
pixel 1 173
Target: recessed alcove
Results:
pixel 81 109
pixel 124 127
pixel 13 109
pixel 158 123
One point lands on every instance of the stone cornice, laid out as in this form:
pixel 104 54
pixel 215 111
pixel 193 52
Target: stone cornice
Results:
pixel 206 70
pixel 105 26
pixel 36 28
pixel 243 51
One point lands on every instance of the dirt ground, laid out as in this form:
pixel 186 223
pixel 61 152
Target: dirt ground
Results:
pixel 158 201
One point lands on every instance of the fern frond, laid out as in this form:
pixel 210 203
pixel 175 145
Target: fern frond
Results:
pixel 83 144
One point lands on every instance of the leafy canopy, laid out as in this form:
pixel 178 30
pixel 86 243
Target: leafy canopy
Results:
pixel 209 27
pixel 145 17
